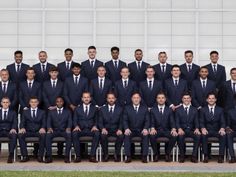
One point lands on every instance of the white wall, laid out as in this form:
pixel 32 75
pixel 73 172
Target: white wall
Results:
pixel 152 25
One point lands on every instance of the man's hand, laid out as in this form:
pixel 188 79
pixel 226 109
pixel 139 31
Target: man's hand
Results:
pixel 25 108
pixel 228 130
pixel 68 130
pixel 222 131
pixel 104 131
pixel 145 132
pixel 197 132
pixel 72 107
pixel 13 131
pixel 22 131
pixel 180 132
pixel 94 128
pixel 153 131
pixel 76 129
pixel 174 132
pixel 119 132
pixel 204 131
pixel 50 130
pixel 127 132
pixel 52 108
pixel 42 131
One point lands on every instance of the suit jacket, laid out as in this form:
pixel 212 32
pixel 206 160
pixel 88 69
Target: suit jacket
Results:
pixel 85 121
pixel 189 76
pixel 162 122
pixel 63 71
pixel 72 92
pixel 228 96
pixel 159 75
pixel 111 121
pixel 33 124
pixel 59 122
pixel 174 94
pixel 188 121
pixel 11 122
pixel 17 77
pixel 11 93
pixel 212 124
pixel 50 94
pixel 220 77
pixel 26 93
pixel 124 94
pixel 149 96
pixel 42 76
pixel 99 96
pixel 113 73
pixel 231 119
pixel 136 121
pixel 90 72
pixel 136 74
pixel 199 94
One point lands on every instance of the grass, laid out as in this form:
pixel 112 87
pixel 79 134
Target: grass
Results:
pixel 107 174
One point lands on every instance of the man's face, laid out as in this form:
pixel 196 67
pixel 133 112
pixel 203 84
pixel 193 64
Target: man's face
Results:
pixel 59 102
pixel 92 53
pixel 115 54
pixel 203 73
pixel 150 72
pixel 76 71
pixel 86 98
pixel 188 57
pixel 53 74
pixel 101 72
pixel 68 55
pixel 111 99
pixel 43 57
pixel 138 55
pixel 136 99
pixel 4 76
pixel 233 75
pixel 30 74
pixel 211 100
pixel 186 99
pixel 162 58
pixel 175 72
pixel 214 58
pixel 34 103
pixel 5 103
pixel 18 58
pixel 124 73
pixel 161 99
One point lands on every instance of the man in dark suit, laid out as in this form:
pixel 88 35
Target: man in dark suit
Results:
pixel 231 132
pixel 136 122
pixel 212 124
pixel 99 87
pixel 42 68
pixel 125 87
pixel 110 124
pixel 175 87
pixel 114 66
pixel 18 69
pixel 59 124
pixel 189 70
pixel 162 125
pixel 85 124
pixel 66 66
pixel 138 67
pixel 201 87
pixel 229 91
pixel 187 124
pixel 52 89
pixel 8 89
pixel 150 87
pixel 29 88
pixel 90 66
pixel 74 86
pixel 163 69
pixel 32 124
pixel 8 126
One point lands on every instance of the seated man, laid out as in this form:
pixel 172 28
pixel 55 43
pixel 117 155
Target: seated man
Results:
pixel 187 124
pixel 136 124
pixel 162 125
pixel 59 123
pixel 110 123
pixel 33 124
pixel 8 126
pixel 85 124
pixel 212 124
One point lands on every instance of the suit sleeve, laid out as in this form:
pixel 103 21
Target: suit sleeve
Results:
pixel 100 120
pixel 125 120
pixel 75 117
pixel 147 120
pixel 121 121
pixel 44 121
pixel 15 97
pixel 172 120
pixel 177 119
pixel 69 122
pixel 222 120
pixel 22 121
pixel 21 98
pixel 202 119
pixel 193 95
pixel 152 119
pixel 45 97
pixel 15 121
pixel 66 93
pixel 49 119
pixel 228 120
pixel 196 120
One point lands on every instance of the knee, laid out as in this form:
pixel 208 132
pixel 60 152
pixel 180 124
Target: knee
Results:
pixel 96 134
pixel 75 134
pixel 21 136
pixel 103 137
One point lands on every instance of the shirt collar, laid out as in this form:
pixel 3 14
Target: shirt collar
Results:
pixel 232 81
pixel 32 81
pixel 186 106
pixel 136 106
pixel 212 64
pixel 123 80
pixel 161 106
pixel 212 106
pixel 68 62
pixel 84 105
pixel 161 64
pixel 152 79
pixel 3 110
pixel 109 106
pixel 34 109
pixel 59 109
pixel 54 80
pixel 92 60
pixel 139 62
pixel 113 60
pixel 76 76
pixel 18 64
pixel 45 63
pixel 5 82
pixel 191 64
pixel 175 78
pixel 99 78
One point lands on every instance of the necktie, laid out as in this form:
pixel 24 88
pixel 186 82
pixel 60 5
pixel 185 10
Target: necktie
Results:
pixel 92 63
pixel 34 115
pixel 68 66
pixel 111 110
pixel 186 110
pixel 125 83
pixel 176 83
pixel 136 109
pixel 76 80
pixel 30 85
pixel 139 65
pixel 101 84
pixel 234 88
pixel 5 115
pixel 214 69
pixel 54 84
pixel 160 110
pixel 116 64
pixel 163 68
pixel 189 68
pixel 211 113
pixel 59 111
pixel 18 68
pixel 150 85
pixel 43 67
pixel 86 110
pixel 4 88
pixel 203 84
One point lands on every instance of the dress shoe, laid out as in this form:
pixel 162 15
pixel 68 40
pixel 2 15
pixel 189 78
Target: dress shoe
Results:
pixel 10 159
pixel 181 159
pixel 105 158
pixel 116 158
pixel 194 159
pixel 168 158
pixel 144 159
pixel 221 159
pixel 40 159
pixel 77 160
pixel 67 160
pixel 156 158
pixel 24 159
pixel 128 159
pixel 205 159
pixel 48 160
pixel 232 160
pixel 93 159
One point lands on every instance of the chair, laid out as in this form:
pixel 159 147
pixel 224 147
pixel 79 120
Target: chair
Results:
pixel 7 140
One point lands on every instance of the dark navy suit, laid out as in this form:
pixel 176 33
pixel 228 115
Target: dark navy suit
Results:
pixel 231 123
pixel 228 96
pixel 88 71
pixel 63 71
pixel 41 75
pixel 160 75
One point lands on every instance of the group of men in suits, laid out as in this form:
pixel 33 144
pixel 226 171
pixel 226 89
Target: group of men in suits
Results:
pixel 117 100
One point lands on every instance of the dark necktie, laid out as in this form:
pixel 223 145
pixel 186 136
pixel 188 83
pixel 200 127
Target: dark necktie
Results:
pixel 59 111
pixel 18 68
pixel 125 84
pixel 5 115
pixel 92 64
pixel 101 85
pixel 86 110
pixel 214 69
pixel 204 85
pixel 43 66
pixel 34 115
pixel 186 110
pixel 176 83
pixel 234 88
pixel 68 66
pixel 189 68
pixel 139 66
pixel 76 80
pixel 161 111
pixel 116 64
pixel 53 84
pixel 163 68
pixel 150 85
pixel 211 113
pixel 30 85
pixel 4 89
pixel 136 109
pixel 111 110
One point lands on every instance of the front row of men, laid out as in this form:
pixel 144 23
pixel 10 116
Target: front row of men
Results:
pixel 111 120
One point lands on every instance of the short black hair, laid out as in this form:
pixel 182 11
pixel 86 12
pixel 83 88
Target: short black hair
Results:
pixel 188 51
pixel 211 93
pixel 112 93
pixel 68 50
pixel 203 67
pixel 30 69
pixel 34 98
pixel 138 50
pixel 53 68
pixel 136 92
pixel 91 47
pixel 76 65
pixel 186 94
pixel 214 52
pixel 125 67
pixel 150 67
pixel 115 48
pixel 175 66
pixel 232 69
pixel 18 52
pixel 161 93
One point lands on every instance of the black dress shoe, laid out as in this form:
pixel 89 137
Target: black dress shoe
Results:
pixel 77 160
pixel 128 159
pixel 232 160
pixel 40 159
pixel 156 158
pixel 24 159
pixel 116 158
pixel 10 159
pixel 144 159
pixel 93 159
pixel 67 160
pixel 48 160
pixel 205 159
pixel 181 159
pixel 221 159
pixel 168 158
pixel 105 158
pixel 194 159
